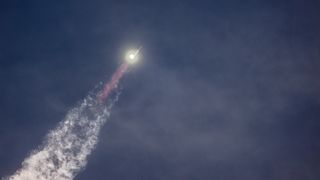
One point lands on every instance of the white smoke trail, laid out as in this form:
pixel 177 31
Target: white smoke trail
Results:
pixel 66 148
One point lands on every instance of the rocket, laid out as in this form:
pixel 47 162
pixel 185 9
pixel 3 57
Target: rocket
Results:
pixel 131 58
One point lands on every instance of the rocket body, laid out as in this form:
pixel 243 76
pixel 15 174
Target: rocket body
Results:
pixel 130 59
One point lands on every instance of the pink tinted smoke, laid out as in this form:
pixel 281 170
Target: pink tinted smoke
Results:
pixel 108 87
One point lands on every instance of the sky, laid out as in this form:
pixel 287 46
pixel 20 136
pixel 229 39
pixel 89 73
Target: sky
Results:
pixel 225 89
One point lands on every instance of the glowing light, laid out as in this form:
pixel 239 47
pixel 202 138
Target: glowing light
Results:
pixel 132 56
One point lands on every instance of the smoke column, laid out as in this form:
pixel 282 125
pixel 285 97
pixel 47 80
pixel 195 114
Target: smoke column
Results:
pixel 66 148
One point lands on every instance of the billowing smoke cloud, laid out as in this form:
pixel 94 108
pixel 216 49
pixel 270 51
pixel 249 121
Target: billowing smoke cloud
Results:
pixel 66 148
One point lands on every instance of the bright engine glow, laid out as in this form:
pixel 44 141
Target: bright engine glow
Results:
pixel 132 56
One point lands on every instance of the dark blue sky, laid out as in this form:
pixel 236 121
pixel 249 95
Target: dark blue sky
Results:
pixel 226 89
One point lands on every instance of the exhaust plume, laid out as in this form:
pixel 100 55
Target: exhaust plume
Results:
pixel 66 148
